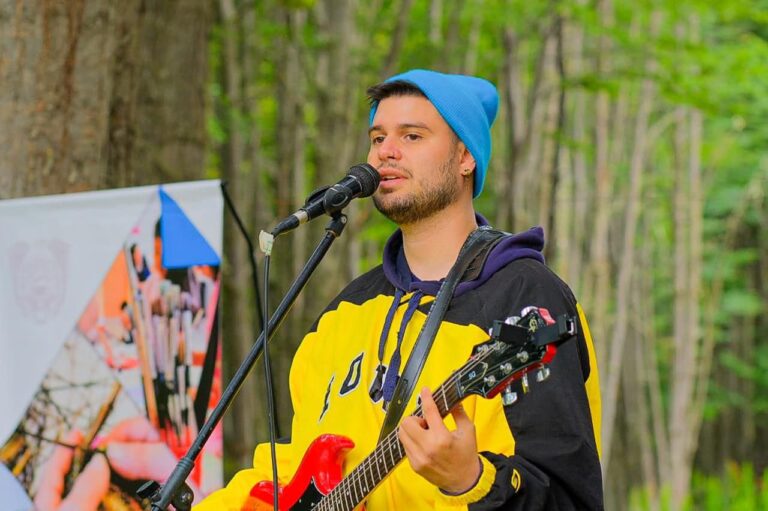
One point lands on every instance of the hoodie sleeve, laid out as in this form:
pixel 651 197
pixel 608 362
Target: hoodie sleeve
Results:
pixel 555 425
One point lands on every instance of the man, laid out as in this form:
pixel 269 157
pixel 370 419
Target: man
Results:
pixel 430 141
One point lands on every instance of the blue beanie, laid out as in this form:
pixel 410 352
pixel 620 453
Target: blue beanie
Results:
pixel 467 104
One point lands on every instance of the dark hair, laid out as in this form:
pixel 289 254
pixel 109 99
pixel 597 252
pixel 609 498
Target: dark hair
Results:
pixel 384 90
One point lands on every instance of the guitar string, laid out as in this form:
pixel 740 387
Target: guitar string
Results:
pixel 358 476
pixel 353 481
pixel 390 442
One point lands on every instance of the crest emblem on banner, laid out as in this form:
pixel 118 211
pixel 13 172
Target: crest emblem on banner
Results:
pixel 39 271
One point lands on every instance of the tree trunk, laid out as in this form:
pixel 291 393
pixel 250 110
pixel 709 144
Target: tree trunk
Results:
pixel 685 417
pixel 398 36
pixel 435 22
pixel 599 254
pixel 101 94
pixel 471 51
pixel 238 322
pixel 526 187
pixel 627 259
pixel 514 103
pixel 572 229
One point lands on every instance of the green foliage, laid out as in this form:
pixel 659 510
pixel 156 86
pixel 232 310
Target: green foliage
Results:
pixel 741 302
pixel 753 371
pixel 737 489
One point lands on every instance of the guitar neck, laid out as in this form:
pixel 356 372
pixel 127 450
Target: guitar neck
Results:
pixel 354 488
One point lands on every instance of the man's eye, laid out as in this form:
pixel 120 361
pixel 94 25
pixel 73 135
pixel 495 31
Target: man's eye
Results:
pixel 412 136
pixel 377 140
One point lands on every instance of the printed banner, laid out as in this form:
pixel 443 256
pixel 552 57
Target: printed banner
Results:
pixel 110 351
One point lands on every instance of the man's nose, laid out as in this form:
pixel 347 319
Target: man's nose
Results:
pixel 388 149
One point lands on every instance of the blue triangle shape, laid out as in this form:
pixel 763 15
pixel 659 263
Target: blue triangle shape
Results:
pixel 183 245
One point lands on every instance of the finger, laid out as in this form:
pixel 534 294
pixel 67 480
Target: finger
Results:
pixel 413 426
pixel 430 411
pixel 460 417
pixel 410 444
pixel 141 460
pixel 53 472
pixel 90 487
pixel 136 429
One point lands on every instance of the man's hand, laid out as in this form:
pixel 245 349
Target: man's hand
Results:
pixel 447 459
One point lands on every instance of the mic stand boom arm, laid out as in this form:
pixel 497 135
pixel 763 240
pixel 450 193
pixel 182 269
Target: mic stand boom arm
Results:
pixel 175 491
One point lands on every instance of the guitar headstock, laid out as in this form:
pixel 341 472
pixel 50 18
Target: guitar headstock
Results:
pixel 518 346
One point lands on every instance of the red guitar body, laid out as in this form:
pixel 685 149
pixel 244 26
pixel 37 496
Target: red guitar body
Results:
pixel 319 472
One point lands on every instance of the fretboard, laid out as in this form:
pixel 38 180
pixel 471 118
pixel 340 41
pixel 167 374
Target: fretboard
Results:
pixel 354 488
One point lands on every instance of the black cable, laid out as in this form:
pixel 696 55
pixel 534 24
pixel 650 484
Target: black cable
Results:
pixel 270 393
pixel 251 251
pixel 264 308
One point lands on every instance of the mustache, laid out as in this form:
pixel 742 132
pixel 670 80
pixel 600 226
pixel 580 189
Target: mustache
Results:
pixel 394 166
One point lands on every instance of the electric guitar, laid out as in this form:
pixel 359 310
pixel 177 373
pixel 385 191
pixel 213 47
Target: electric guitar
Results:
pixel 517 347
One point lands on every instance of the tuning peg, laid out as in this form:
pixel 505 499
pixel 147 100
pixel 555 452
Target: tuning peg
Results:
pixel 508 397
pixel 542 374
pixel 524 383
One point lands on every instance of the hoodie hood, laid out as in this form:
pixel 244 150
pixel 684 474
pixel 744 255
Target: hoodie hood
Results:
pixel 526 244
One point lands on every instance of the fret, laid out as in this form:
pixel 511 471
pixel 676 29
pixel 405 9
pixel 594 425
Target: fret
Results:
pixel 366 468
pixel 348 500
pixel 338 494
pixel 352 490
pixel 364 484
pixel 396 449
pixel 370 483
pixel 328 502
pixel 359 484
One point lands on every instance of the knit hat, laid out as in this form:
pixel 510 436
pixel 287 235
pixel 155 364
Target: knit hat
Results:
pixel 467 104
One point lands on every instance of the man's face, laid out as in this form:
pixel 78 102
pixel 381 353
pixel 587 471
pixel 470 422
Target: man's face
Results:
pixel 418 157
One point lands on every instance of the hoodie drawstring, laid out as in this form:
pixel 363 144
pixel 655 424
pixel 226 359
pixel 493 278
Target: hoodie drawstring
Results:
pixel 393 368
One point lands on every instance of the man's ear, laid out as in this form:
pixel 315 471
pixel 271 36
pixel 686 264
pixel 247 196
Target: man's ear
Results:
pixel 467 162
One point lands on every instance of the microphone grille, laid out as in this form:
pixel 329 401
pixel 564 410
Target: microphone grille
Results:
pixel 368 176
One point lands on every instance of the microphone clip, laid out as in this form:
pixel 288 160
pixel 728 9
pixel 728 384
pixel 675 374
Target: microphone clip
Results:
pixel 317 193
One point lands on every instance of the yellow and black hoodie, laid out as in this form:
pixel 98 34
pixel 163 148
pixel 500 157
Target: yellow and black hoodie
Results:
pixel 539 453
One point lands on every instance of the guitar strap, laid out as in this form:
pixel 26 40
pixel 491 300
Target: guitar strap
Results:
pixel 475 250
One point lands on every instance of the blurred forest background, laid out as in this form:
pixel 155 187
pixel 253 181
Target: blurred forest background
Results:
pixel 634 131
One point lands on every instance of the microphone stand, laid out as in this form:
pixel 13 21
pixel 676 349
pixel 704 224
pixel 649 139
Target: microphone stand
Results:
pixel 175 490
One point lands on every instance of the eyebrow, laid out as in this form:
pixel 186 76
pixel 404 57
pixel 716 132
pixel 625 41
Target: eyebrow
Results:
pixel 402 126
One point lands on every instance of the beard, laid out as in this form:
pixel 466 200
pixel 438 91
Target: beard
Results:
pixel 435 195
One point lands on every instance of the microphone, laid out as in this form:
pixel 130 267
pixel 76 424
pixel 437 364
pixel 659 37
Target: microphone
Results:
pixel 361 181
